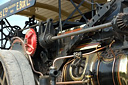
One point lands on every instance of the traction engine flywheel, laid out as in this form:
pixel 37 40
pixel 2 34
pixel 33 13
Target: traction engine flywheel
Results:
pixel 31 41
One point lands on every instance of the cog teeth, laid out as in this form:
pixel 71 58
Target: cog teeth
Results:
pixel 119 22
pixel 122 27
pixel 119 19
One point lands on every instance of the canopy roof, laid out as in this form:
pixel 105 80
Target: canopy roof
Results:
pixel 45 9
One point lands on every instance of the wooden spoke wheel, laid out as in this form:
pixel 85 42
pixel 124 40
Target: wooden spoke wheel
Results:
pixel 15 69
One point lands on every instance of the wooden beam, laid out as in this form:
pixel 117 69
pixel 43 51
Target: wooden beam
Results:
pixel 25 13
pixel 50 7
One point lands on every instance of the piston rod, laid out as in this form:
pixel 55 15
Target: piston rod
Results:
pixel 91 29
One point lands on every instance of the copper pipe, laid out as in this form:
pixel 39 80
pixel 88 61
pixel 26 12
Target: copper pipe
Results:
pixel 71 82
pixel 71 56
pixel 113 71
pixel 14 38
pixel 98 72
pixel 64 68
pixel 113 61
pixel 30 59
pixel 97 52
pixel 94 51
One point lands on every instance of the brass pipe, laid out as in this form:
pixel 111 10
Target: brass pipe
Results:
pixel 71 56
pixel 71 82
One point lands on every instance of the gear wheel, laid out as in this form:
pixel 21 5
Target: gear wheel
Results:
pixel 122 21
pixel 31 42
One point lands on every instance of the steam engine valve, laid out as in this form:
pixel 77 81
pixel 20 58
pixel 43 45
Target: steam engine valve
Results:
pixel 77 55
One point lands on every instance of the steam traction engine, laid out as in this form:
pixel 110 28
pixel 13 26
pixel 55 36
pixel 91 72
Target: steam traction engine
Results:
pixel 78 42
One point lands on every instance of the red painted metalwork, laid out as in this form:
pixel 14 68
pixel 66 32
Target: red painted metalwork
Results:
pixel 31 42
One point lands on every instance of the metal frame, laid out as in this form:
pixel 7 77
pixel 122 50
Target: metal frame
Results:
pixel 61 23
pixel 76 9
pixel 11 31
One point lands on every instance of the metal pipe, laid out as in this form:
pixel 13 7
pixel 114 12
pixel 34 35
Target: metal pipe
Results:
pixel 83 31
pixel 31 62
pixel 71 56
pixel 71 82
pixel 60 21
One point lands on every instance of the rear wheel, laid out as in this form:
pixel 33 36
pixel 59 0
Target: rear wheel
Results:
pixel 15 69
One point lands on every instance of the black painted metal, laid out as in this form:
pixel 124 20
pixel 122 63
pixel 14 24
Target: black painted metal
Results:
pixel 72 13
pixel 53 74
pixel 101 15
pixel 92 1
pixel 93 21
pixel 78 10
pixel 11 32
pixel 2 34
pixel 60 21
pixel 44 80
pixel 47 31
pixel 105 73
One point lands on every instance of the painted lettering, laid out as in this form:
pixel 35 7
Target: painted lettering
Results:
pixel 1 14
pixel 28 2
pixel 10 7
pixel 11 11
pixel 5 10
pixel 22 4
pixel 17 6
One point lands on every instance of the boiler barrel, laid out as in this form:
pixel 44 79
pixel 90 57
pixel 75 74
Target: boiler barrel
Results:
pixel 105 71
pixel 111 71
